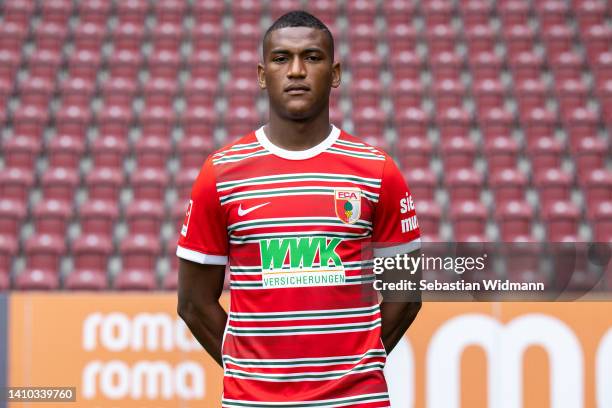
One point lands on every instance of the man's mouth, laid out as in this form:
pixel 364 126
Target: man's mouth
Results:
pixel 297 89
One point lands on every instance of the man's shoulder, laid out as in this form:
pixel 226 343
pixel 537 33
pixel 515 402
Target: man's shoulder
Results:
pixel 350 140
pixel 238 145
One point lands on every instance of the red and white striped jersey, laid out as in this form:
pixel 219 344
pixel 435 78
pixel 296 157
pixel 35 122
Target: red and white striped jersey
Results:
pixel 304 320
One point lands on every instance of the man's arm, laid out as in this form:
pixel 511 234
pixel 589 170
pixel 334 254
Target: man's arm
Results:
pixel 399 308
pixel 199 289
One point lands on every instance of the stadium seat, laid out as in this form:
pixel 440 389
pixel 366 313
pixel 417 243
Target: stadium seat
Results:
pixel 496 121
pixel 36 91
pixel 601 221
pixel 193 151
pixel 149 184
pixel 407 93
pixel 475 12
pixel 178 213
pixel 440 38
pixel 508 185
pixel 438 11
pixel 144 217
pixel 597 39
pixel 76 91
pixel 170 11
pixel 370 121
pixel 241 91
pixel 65 151
pixel 406 63
pixel 184 182
pixel 241 120
pixel 114 120
pixel 104 184
pixel 18 11
pixel 513 12
pixel 85 279
pixel 15 183
pixel 526 65
pixel 457 152
pixel 245 38
pixel 567 65
pixel 84 64
pixel 604 94
pixel 414 152
pixel 446 65
pixel 325 10
pixel 518 38
pixel 468 218
pixel 152 151
pixel 157 120
pixel 206 37
pixel 56 11
pixel 365 92
pixel 159 92
pixel 561 219
pixel 200 91
pixel 36 279
pixel 98 217
pixel 89 36
pixel 30 121
pixel 553 185
pixel 501 153
pixel 590 154
pixel 558 39
pixel 94 11
pixel 602 67
pixel 463 184
pixel 453 121
pixel 480 37
pixel 488 93
pixel 167 36
pixel 170 280
pixel 205 63
pixel 580 123
pixel 51 217
pixel 448 93
pixel 132 11
pixel 514 219
pixel 429 214
pixel 208 10
pixel 571 94
pixel 135 279
pixel 12 36
pixel 164 64
pixel 12 214
pixel 539 122
pixel 72 120
pixel 44 252
pixel 411 122
pixel 199 121
pixel 598 186
pixel 59 183
pixel 551 13
pixel 109 151
pixel 545 153
pixel 140 252
pixel 91 252
pixel 20 152
pixel 118 92
pixel 485 65
pixel 363 37
pixel 124 63
pixel 422 183
pixel 128 36
pixel 43 64
pixel 361 11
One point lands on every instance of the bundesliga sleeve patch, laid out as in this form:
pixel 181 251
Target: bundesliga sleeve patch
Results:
pixel 187 217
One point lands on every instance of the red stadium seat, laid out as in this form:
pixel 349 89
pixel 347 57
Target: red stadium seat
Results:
pixel 411 122
pixel 468 218
pixel 241 91
pixel 422 182
pixel 508 185
pixel 44 252
pixel 446 65
pixel 402 39
pixel 57 11
pixel 12 214
pixel 199 121
pixel 109 151
pixel 590 13
pixel 553 185
pixel 370 121
pixel 598 186
pixel 513 12
pixel 539 122
pixel 438 11
pixel 89 36
pixel 558 39
pixel 30 121
pixel 132 11
pixel 514 219
pixel 104 184
pixel 118 92
pixel 193 151
pixel 475 12
pixel 159 92
pixel 206 37
pixel 580 123
pixel 526 65
pixel 205 63
pixel 152 151
pixel 602 66
pixel 44 64
pixel 12 36
pixel 15 183
pixel 454 121
pixel 545 153
pixel 167 36
pixel 144 217
pixel 149 184
pixel 76 91
pixel 114 120
pixel 210 11
pixel 485 65
pixel 94 11
pixel 489 93
pixel 448 93
pixel 135 279
pixel 247 11
pixel 458 152
pixel 36 92
pixel 552 12
pixel 363 36
pixel 604 93
pixel 164 64
pixel 501 153
pixel 429 214
pixel 519 38
pixel 464 184
pixel 440 38
pixel 365 92
pixel 184 182
pixel 8 250
pixel 140 252
pixel 18 11
pixel 37 279
pixel 496 121
pixel 240 120
pixel 72 120
pixel 280 7
pixel 561 220
pixel 597 39
pixel 407 93
pixel 245 36
pixel 601 221
pixel 59 184
pixel 567 65
pixel 157 120
pixel 125 63
pixel 91 252
pixel 325 10
pixel 65 151
pixel 590 154
pixel 200 91
pixel 50 36
pixel 571 94
pixel 360 11
pixel 84 64
pixel 170 11
pixel 480 38
pixel 6 89
pixel 98 217
pixel 52 217
pixel 20 152
pixel 414 152
pixel 85 279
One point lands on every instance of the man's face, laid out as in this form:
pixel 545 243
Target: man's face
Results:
pixel 298 72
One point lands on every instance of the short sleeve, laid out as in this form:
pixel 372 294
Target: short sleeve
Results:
pixel 203 236
pixel 396 228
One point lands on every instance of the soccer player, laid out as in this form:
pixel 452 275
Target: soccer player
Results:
pixel 290 207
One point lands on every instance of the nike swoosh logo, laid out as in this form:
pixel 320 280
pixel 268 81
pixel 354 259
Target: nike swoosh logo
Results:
pixel 242 212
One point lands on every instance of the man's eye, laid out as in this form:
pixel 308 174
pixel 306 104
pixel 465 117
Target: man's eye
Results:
pixel 280 59
pixel 313 58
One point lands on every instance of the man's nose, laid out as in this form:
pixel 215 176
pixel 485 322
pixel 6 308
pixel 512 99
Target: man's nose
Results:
pixel 296 68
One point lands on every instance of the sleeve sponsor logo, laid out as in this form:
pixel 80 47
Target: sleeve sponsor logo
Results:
pixel 407 205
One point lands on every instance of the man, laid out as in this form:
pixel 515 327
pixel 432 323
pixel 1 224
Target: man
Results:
pixel 290 208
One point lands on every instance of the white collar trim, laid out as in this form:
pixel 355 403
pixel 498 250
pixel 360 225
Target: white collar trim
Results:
pixel 297 154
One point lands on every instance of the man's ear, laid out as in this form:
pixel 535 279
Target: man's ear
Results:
pixel 261 77
pixel 336 74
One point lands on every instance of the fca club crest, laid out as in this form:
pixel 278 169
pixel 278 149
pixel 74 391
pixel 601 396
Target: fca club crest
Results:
pixel 348 204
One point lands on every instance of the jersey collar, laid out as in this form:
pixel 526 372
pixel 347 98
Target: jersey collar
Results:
pixel 297 154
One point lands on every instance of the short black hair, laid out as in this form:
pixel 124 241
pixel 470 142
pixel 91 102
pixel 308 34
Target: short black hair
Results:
pixel 300 18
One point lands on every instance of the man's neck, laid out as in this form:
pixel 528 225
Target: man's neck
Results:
pixel 294 135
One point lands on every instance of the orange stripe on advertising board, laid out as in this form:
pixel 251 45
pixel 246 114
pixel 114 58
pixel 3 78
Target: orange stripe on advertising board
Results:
pixel 132 350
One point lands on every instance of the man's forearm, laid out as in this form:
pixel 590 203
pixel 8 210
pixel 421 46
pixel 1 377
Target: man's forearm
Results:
pixel 207 324
pixel 396 319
